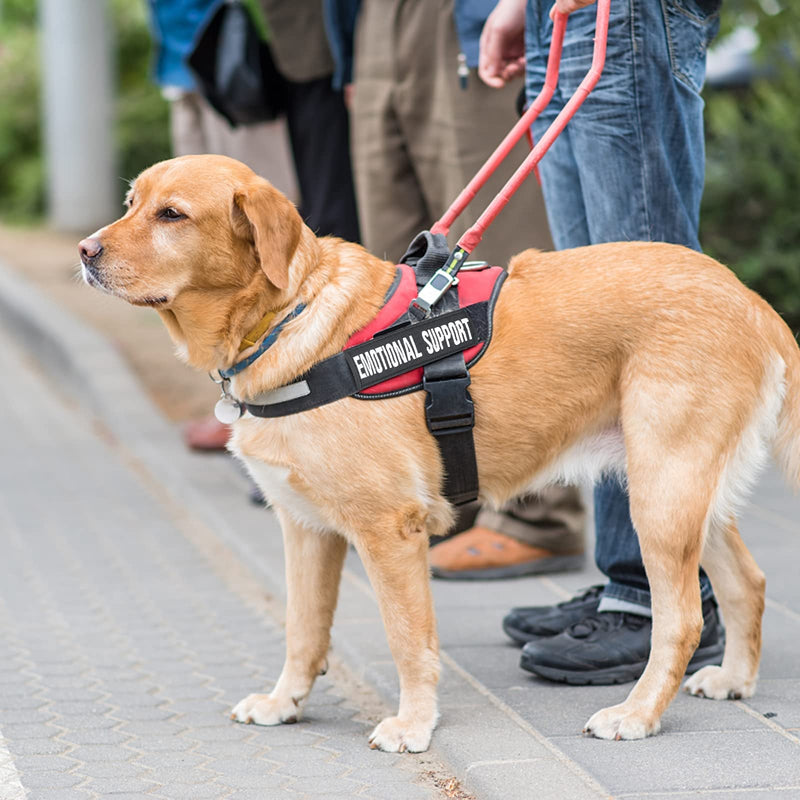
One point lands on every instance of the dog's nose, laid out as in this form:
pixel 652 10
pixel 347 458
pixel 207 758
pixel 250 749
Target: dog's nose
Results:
pixel 90 250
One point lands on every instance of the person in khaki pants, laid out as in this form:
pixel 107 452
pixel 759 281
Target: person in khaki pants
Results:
pixel 422 124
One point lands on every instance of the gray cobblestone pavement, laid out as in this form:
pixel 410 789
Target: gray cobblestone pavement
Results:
pixel 122 650
pixel 140 596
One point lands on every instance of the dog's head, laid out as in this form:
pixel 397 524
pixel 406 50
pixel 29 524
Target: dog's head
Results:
pixel 202 236
pixel 196 222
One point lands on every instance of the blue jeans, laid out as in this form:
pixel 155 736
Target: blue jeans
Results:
pixel 629 166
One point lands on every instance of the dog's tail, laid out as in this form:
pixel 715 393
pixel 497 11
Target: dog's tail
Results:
pixel 787 441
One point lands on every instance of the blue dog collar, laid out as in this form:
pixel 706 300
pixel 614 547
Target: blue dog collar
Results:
pixel 269 340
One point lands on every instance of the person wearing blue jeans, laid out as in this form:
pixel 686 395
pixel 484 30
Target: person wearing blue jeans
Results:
pixel 628 166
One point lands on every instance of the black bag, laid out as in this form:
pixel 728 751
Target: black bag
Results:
pixel 234 68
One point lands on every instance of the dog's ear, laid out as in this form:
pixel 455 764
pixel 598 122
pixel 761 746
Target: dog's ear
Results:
pixel 270 220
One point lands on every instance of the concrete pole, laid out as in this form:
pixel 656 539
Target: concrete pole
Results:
pixel 77 83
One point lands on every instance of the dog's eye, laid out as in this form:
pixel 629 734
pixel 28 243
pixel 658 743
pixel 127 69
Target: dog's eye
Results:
pixel 171 214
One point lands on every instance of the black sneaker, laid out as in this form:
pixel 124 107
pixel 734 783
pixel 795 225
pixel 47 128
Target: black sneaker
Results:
pixel 613 647
pixel 534 622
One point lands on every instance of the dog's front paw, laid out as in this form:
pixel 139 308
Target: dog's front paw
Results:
pixel 396 735
pixel 264 709
pixel 716 683
pixel 620 722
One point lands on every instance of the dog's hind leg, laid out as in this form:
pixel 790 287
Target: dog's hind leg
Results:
pixel 394 554
pixel 739 586
pixel 313 571
pixel 669 510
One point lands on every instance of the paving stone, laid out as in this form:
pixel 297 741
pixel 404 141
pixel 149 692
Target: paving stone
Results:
pixel 17 702
pixel 43 763
pixel 142 713
pixel 126 701
pixel 784 793
pixel 643 765
pixel 263 781
pixel 780 699
pixel 309 768
pixel 168 760
pixel 129 795
pixel 38 747
pixel 50 780
pixel 153 728
pixel 324 787
pixel 226 749
pixel 98 736
pixel 109 786
pixel 43 714
pixel 58 794
pixel 101 752
pixel 406 792
pixel 201 719
pixel 114 769
pixel 83 722
pixel 29 730
pixel 183 775
pixel 168 744
pixel 226 734
pixel 541 778
pixel 180 791
pixel 68 708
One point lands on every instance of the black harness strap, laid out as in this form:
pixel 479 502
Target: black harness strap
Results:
pixel 450 415
pixel 406 348
pixel 449 411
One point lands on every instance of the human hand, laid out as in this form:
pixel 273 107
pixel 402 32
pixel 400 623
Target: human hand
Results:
pixel 502 45
pixel 568 6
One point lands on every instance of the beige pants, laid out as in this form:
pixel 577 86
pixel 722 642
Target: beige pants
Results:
pixel 264 147
pixel 417 139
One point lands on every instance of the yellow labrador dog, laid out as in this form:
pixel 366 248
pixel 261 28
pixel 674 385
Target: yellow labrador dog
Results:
pixel 650 360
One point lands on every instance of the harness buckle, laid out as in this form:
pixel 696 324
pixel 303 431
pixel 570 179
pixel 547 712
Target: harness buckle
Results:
pixel 449 408
pixel 430 294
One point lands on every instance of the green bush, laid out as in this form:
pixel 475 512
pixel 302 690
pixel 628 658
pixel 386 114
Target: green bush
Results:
pixel 22 173
pixel 141 114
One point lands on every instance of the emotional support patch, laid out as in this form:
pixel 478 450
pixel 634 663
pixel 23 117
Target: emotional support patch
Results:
pixel 412 346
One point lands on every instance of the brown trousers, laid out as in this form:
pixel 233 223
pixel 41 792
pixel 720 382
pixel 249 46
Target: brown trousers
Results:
pixel 417 138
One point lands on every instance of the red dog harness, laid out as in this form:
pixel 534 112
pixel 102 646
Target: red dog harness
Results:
pixel 394 355
pixel 474 287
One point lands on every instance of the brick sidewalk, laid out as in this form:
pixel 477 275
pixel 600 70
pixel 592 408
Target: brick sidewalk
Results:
pixel 123 650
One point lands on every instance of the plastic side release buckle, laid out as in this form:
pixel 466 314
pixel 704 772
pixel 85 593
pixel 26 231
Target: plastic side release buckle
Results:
pixel 449 408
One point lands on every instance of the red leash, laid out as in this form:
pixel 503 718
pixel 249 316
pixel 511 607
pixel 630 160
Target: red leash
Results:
pixel 444 278
pixel 472 237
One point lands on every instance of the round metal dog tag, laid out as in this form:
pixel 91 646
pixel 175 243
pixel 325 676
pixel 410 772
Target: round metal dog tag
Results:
pixel 227 410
